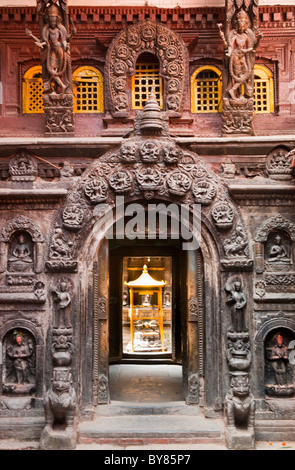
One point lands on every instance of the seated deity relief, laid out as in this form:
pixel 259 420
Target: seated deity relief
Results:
pixel 277 250
pixel 279 370
pixel 19 372
pixel 20 253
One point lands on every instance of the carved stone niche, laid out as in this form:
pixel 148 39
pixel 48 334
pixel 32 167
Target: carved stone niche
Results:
pixel 279 363
pixel 279 164
pixel 274 245
pixel 19 363
pixel 20 247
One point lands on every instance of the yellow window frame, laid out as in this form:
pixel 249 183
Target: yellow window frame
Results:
pixel 263 90
pixel 32 91
pixel 146 79
pixel 88 88
pixel 205 93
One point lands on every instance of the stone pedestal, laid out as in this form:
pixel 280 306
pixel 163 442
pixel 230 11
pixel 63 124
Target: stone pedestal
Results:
pixel 240 439
pixel 59 114
pixel 58 439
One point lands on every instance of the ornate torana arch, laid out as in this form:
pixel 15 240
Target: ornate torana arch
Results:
pixel 146 36
pixel 148 166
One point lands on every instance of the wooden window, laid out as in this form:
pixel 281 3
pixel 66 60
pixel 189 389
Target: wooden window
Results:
pixel 33 91
pixel 206 90
pixel 146 79
pixel 263 90
pixel 88 90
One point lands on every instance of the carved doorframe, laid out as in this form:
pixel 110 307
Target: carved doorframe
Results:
pixel 204 359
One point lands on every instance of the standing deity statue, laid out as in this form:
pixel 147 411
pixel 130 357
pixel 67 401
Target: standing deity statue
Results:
pixel 63 300
pixel 240 40
pixel 54 45
pixel 237 299
pixel 240 45
pixel 279 358
pixel 20 352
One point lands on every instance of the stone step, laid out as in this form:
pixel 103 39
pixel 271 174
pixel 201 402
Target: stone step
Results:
pixel 149 426
pixel 275 430
pixel 118 408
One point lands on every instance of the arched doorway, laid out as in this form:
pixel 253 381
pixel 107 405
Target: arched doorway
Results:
pixel 149 169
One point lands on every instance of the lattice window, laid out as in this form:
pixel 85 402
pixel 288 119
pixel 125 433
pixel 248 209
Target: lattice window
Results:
pixel 206 90
pixel 145 80
pixel 88 90
pixel 263 90
pixel 33 91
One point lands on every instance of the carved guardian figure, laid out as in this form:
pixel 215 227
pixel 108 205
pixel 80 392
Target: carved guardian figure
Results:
pixel 239 403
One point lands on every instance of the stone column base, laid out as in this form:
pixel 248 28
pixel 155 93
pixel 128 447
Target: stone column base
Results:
pixel 240 439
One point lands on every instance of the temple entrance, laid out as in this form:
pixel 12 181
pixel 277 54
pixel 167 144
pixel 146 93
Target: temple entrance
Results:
pixel 150 335
pixel 145 304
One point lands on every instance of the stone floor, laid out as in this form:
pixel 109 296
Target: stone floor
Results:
pixel 148 413
pixel 141 383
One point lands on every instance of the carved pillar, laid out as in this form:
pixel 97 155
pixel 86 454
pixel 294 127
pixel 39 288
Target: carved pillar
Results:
pixel 60 403
pixel 195 327
pixel 54 44
pixel 240 39
pixel 101 333
pixel 239 402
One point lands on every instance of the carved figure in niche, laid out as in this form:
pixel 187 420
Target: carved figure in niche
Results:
pixel 20 361
pixel 240 45
pixel 54 45
pixel 279 356
pixel 63 300
pixel 21 253
pixel 239 403
pixel 277 251
pixel 279 370
pixel 237 299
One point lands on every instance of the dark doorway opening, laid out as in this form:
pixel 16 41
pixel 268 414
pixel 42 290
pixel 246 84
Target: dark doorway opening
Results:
pixel 146 344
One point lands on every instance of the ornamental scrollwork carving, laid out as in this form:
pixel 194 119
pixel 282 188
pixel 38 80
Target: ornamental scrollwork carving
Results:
pixel 121 63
